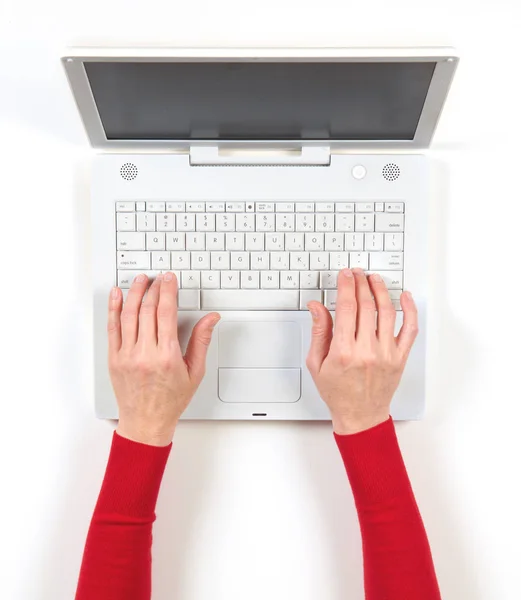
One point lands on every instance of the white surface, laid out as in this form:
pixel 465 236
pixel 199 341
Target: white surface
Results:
pixel 260 510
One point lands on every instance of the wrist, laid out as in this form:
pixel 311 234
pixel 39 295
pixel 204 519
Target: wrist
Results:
pixel 146 435
pixel 348 424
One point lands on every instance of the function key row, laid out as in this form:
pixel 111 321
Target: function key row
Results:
pixel 260 207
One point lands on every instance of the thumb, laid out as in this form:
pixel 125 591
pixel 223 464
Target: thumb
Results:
pixel 321 336
pixel 195 356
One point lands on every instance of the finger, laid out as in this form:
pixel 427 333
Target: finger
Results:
pixel 321 335
pixel 409 330
pixel 197 349
pixel 365 308
pixel 147 333
pixel 130 312
pixel 345 312
pixel 114 320
pixel 386 312
pixel 167 311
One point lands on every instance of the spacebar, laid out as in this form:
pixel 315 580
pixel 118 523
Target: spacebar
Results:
pixel 249 299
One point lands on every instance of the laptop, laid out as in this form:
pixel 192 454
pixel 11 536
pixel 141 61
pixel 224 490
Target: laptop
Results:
pixel 256 175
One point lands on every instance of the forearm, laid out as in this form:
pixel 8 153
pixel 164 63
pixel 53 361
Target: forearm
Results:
pixel 117 558
pixel 397 557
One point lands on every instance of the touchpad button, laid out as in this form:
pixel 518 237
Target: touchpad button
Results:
pixel 266 344
pixel 259 385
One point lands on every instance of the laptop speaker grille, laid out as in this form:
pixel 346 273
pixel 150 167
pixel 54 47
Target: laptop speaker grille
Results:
pixel 391 172
pixel 128 171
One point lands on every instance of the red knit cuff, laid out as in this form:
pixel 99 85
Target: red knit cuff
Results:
pixel 374 464
pixel 132 478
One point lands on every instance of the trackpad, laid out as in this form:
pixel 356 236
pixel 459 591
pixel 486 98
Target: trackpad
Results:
pixel 276 344
pixel 259 385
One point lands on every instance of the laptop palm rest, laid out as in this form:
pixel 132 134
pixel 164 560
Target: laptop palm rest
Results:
pixel 260 362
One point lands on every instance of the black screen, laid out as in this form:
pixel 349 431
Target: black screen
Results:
pixel 259 100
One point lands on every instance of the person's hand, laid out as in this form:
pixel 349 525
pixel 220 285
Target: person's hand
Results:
pixel 152 380
pixel 358 367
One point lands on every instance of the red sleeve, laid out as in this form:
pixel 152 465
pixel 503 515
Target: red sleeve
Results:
pixel 117 558
pixel 397 557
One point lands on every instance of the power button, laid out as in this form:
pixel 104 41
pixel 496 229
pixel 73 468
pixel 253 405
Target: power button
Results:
pixel 359 172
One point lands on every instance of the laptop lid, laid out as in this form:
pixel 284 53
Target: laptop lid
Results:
pixel 176 99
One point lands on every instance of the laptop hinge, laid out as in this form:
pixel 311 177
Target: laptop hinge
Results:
pixel 215 155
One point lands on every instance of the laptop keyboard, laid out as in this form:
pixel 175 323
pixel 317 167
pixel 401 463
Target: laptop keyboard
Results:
pixel 259 255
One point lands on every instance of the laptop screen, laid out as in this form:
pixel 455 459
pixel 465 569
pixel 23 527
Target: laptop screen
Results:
pixel 260 100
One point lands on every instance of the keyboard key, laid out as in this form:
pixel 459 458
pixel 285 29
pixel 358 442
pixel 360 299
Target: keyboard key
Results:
pixel 260 261
pixel 325 222
pixel 334 242
pixel 126 278
pixel 319 261
pixel 125 206
pixel 215 241
pixel 225 222
pixel 328 279
pixel 294 241
pixel 344 222
pixel 195 207
pixel 155 241
pixel 195 241
pixel 285 207
pixel 359 260
pixel 330 299
pixel 240 260
pixel 386 261
pixel 156 206
pixel 309 295
pixel 254 241
pixel 215 207
pixel 200 260
pixel 275 241
pixel 250 207
pixel 175 241
pixel 190 280
pixel 365 222
pixel 250 300
pixel 393 241
pixel 230 280
pixel 279 260
pixel 133 260
pixel 379 207
pixel 175 207
pixel 285 222
pixel 146 221
pixel 354 241
pixel 220 260
pixel 269 280
pixel 165 222
pixel 314 241
pixel 289 280
pixel 210 279
pixel 389 222
pixel 374 242
pixel 245 222
pixel 130 241
pixel 322 207
pixel 305 207
pixel 126 222
pixel 205 222
pixel 188 299
pixel 265 207
pixel 394 207
pixel 265 222
pixel 180 260
pixel 235 207
pixel 250 280
pixel 392 279
pixel 235 241
pixel 364 207
pixel 185 222
pixel 338 260
pixel 161 261
pixel 345 207
pixel 141 206
pixel 299 261
pixel 305 222
pixel 309 280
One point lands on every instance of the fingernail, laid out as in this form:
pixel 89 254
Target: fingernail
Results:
pixel 376 277
pixel 358 271
pixel 408 295
pixel 168 276
pixel 140 278
pixel 313 312
pixel 114 293
pixel 159 277
pixel 347 272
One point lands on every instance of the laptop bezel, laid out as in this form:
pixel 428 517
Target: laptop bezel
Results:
pixel 445 59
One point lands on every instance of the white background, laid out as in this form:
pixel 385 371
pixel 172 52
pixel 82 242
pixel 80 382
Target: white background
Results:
pixel 251 510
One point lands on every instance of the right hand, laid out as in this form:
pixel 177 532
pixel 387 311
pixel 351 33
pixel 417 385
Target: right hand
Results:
pixel 152 380
pixel 358 367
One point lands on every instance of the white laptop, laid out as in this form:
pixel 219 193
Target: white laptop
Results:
pixel 256 175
